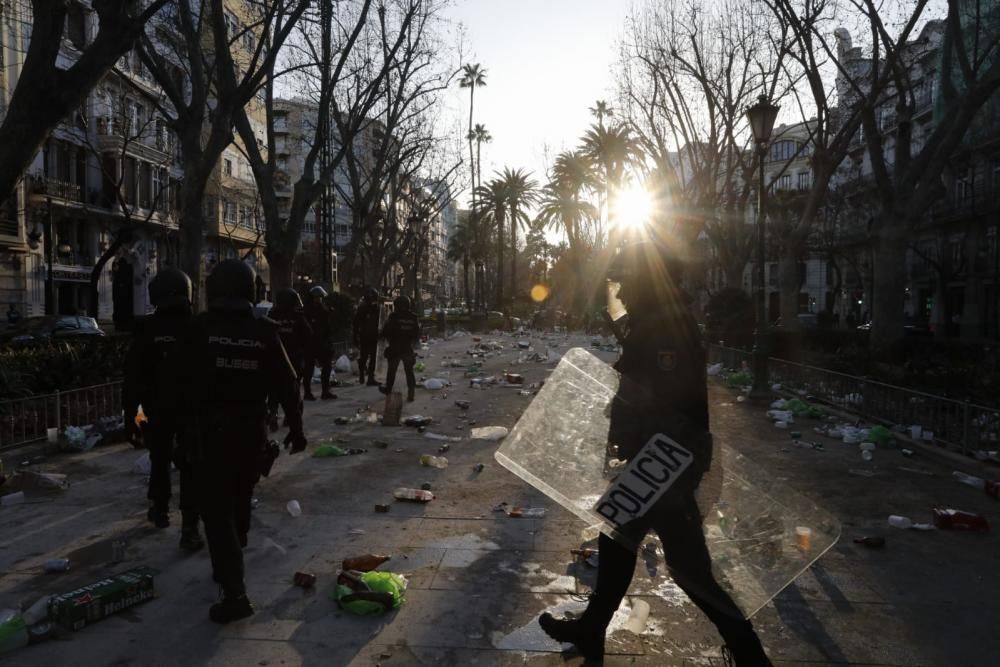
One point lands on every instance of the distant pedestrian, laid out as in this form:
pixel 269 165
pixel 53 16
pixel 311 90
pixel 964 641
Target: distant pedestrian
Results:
pixel 402 331
pixel 320 349
pixel 366 321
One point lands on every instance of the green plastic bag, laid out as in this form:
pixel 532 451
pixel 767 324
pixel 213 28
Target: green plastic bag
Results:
pixel 329 450
pixel 879 435
pixel 419 367
pixel 800 408
pixel 13 631
pixel 379 582
pixel 739 379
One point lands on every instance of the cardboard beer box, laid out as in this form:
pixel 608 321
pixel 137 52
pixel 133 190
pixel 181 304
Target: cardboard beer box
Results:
pixel 93 602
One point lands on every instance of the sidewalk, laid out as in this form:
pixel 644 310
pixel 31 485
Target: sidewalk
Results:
pixel 478 579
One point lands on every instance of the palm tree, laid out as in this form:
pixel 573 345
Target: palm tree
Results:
pixel 562 208
pixel 613 149
pixel 460 249
pixel 562 202
pixel 473 76
pixel 600 110
pixel 481 135
pixel 492 206
pixel 520 191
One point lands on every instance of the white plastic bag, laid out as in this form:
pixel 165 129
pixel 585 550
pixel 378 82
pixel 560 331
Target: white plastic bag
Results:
pixel 142 465
pixel 343 364
pixel 435 383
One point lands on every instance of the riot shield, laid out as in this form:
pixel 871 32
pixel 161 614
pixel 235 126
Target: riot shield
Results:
pixel 760 534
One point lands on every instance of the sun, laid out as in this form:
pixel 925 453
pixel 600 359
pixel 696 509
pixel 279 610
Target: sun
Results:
pixel 633 206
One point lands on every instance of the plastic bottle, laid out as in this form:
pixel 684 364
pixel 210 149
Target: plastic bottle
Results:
pixel 433 461
pixel 417 495
pixel 365 563
pixel 897 521
pixel 636 622
pixel 294 508
pixel 971 480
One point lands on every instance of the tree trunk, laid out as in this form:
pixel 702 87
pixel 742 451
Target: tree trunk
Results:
pixel 513 255
pixel 94 297
pixel 972 316
pixel 888 285
pixel 788 286
pixel 465 280
pixel 499 285
pixel 192 229
pixel 280 263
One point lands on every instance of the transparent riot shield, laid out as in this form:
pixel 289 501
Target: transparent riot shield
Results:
pixel 760 534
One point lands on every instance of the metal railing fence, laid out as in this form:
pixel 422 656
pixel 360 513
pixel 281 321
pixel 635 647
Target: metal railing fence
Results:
pixel 960 424
pixel 25 420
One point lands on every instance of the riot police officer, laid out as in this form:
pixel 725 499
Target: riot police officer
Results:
pixel 402 331
pixel 295 334
pixel 320 349
pixel 226 366
pixel 366 335
pixel 153 338
pixel 662 390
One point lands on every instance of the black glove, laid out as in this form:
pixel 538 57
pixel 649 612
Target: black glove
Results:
pixel 297 440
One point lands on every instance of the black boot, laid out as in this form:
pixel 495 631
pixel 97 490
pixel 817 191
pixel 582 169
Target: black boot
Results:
pixel 586 636
pixel 383 389
pixel 743 648
pixel 327 396
pixel 409 394
pixel 309 396
pixel 231 609
pixel 372 382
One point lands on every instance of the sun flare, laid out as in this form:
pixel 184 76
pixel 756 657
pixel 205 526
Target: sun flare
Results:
pixel 633 206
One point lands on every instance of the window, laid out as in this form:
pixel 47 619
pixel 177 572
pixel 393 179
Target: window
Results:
pixel 783 150
pixel 232 25
pixel 963 186
pixel 145 181
pixel 160 194
pixel 805 180
pixel 227 167
pixel 785 182
pixel 772 274
pixel 229 212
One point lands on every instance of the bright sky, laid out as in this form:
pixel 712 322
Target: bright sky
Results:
pixel 547 62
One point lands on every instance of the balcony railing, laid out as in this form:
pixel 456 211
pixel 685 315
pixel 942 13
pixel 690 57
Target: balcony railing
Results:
pixel 51 187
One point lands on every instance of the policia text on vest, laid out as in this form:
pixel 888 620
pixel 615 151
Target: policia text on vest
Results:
pixel 657 466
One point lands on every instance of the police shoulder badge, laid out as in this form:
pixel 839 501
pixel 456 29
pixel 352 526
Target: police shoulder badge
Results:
pixel 666 360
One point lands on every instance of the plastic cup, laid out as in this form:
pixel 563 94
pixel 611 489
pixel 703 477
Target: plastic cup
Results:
pixel 803 538
pixel 294 508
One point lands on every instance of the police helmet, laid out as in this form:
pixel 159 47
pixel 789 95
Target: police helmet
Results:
pixel 372 295
pixel 288 299
pixel 647 271
pixel 170 287
pixel 401 303
pixel 317 291
pixel 231 279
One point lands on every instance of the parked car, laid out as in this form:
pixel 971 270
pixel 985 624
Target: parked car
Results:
pixel 53 327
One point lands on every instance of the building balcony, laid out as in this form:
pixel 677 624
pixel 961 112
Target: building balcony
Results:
pixel 41 187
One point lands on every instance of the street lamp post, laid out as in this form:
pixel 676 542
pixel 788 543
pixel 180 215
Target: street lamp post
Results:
pixel 761 116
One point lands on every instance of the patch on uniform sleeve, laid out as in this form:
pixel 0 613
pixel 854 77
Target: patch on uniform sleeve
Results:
pixel 666 360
